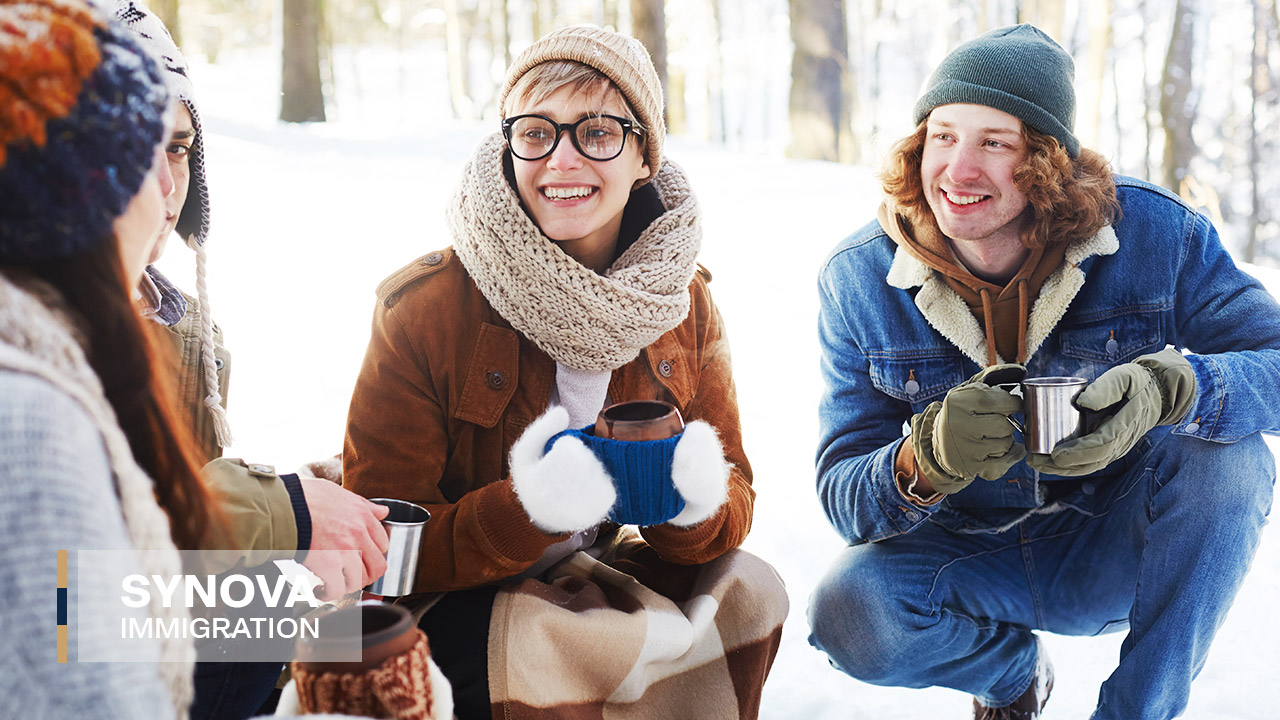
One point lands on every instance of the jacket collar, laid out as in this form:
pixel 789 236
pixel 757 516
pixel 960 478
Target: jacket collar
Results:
pixel 947 312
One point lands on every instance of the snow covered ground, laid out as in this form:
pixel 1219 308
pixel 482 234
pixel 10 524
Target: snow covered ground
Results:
pixel 307 221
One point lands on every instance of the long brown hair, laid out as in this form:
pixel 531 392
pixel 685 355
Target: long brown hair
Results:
pixel 127 355
pixel 1067 199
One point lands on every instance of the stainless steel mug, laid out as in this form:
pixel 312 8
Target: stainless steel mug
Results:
pixel 404 538
pixel 1050 412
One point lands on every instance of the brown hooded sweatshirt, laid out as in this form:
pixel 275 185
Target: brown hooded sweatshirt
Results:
pixel 1002 311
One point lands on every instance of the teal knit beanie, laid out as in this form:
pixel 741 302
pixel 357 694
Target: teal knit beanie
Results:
pixel 1019 70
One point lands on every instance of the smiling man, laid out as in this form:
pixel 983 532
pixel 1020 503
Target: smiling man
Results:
pixel 1002 250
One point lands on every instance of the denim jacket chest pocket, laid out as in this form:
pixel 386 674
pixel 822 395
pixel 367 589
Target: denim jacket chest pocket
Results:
pixel 1113 339
pixel 917 378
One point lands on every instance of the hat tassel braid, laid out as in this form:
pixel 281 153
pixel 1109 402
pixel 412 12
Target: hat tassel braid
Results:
pixel 213 400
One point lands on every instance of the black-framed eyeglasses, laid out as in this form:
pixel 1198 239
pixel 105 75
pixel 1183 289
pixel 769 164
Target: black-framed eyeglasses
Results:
pixel 598 137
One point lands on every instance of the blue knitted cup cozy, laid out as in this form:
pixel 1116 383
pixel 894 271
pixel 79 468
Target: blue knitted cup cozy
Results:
pixel 641 472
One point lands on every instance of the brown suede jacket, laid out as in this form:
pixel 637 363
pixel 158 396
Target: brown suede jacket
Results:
pixel 448 386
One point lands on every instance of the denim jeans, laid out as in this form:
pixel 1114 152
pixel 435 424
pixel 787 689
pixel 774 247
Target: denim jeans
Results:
pixel 1163 555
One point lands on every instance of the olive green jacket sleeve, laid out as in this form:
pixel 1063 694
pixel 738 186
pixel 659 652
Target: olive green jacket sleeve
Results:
pixel 254 513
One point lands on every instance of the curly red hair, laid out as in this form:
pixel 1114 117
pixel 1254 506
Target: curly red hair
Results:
pixel 1068 199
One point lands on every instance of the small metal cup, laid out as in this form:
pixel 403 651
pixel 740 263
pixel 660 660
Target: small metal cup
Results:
pixel 1050 412
pixel 404 538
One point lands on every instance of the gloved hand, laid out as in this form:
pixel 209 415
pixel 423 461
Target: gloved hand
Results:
pixel 1157 389
pixel 700 473
pixel 565 490
pixel 968 434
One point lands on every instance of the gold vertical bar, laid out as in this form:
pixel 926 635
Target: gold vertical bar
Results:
pixel 62 584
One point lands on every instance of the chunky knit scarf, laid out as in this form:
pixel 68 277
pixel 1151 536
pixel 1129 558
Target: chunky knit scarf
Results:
pixel 37 339
pixel 578 317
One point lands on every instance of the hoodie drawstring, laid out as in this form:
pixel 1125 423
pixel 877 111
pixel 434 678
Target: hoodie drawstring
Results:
pixel 1024 313
pixel 989 325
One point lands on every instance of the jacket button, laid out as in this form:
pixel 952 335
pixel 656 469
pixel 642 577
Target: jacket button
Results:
pixel 1192 427
pixel 217 363
pixel 912 387
pixel 433 258
pixel 912 515
pixel 664 368
pixel 1087 488
pixel 496 379
pixel 1112 346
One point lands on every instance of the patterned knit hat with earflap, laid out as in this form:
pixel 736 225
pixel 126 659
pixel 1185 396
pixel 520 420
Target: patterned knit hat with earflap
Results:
pixel 82 109
pixel 1019 70
pixel 193 221
pixel 624 60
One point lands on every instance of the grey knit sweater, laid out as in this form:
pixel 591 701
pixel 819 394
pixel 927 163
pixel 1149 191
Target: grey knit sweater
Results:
pixel 57 494
pixel 70 482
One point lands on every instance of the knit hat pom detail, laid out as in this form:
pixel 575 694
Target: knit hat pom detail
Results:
pixel 47 53
pixel 69 167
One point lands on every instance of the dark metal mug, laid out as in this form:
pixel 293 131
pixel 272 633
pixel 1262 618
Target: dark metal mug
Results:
pixel 639 420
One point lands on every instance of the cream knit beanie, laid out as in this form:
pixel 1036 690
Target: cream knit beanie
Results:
pixel 624 60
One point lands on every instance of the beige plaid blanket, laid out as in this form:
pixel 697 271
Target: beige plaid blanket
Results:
pixel 629 636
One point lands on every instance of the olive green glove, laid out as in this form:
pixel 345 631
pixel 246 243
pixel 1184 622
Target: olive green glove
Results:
pixel 968 434
pixel 1156 389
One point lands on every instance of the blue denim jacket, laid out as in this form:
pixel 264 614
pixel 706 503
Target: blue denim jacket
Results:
pixel 894 338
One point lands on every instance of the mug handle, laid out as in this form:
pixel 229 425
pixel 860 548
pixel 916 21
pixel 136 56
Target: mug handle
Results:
pixel 1013 388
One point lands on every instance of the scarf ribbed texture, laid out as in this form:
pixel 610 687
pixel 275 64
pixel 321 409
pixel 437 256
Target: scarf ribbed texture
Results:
pixel 580 318
pixel 39 340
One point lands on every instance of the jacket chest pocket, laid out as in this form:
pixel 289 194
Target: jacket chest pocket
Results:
pixel 916 380
pixel 1116 339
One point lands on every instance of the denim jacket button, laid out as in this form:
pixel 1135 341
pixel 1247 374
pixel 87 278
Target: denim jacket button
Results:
pixel 1192 427
pixel 912 515
pixel 912 387
pixel 1112 346
pixel 1087 488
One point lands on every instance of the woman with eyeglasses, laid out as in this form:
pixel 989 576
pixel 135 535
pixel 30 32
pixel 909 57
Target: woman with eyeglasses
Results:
pixel 572 283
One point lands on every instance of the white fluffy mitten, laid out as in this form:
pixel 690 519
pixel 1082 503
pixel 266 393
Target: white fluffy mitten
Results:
pixel 566 489
pixel 699 473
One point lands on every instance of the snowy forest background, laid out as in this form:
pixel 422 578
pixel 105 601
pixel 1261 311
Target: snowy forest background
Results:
pixel 1185 93
pixel 308 217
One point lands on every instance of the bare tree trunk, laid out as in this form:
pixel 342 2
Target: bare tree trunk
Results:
pixel 1177 113
pixel 1048 15
pixel 649 26
pixel 1259 88
pixel 719 125
pixel 609 13
pixel 167 11
pixel 500 30
pixel 301 92
pixel 458 50
pixel 544 17
pixel 1089 117
pixel 820 84
pixel 1147 110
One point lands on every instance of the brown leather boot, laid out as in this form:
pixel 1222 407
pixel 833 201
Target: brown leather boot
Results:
pixel 1031 702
